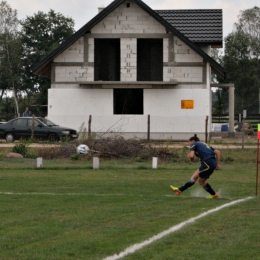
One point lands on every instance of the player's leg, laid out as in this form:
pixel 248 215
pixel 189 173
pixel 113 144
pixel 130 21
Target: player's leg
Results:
pixel 187 185
pixel 206 186
pixel 205 171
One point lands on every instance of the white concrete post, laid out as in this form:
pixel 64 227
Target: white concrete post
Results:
pixel 95 163
pixel 39 162
pixel 155 161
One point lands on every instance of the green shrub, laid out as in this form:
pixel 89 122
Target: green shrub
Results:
pixel 21 148
pixel 74 157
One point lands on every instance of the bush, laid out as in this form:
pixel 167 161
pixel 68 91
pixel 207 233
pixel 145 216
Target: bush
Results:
pixel 57 151
pixel 21 148
pixel 120 148
pixel 74 157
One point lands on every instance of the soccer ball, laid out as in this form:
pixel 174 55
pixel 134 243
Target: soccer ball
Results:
pixel 82 149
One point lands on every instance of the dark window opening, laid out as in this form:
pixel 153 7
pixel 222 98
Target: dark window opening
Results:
pixel 128 101
pixel 149 59
pixel 128 5
pixel 107 60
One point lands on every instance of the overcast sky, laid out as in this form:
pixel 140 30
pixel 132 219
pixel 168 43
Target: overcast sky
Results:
pixel 83 10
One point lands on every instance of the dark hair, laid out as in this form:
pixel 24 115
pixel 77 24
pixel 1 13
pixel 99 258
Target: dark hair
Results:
pixel 194 138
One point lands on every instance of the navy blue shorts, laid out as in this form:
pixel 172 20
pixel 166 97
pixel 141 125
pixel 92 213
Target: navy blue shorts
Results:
pixel 207 168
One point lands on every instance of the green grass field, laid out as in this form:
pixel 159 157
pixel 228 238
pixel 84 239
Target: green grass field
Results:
pixel 67 210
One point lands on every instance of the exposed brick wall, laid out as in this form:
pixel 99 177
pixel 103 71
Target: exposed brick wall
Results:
pixel 74 74
pixel 132 20
pixel 128 59
pixel 128 20
pixel 74 53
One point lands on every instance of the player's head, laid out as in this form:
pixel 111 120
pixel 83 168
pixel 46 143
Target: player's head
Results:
pixel 194 138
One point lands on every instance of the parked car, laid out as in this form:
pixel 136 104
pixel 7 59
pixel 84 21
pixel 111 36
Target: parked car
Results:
pixel 41 128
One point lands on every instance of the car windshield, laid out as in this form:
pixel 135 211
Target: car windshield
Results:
pixel 46 121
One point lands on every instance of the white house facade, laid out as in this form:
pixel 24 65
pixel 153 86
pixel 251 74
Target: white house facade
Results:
pixel 127 65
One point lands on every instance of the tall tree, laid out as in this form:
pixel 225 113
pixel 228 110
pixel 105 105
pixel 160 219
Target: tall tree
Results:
pixel 220 100
pixel 40 35
pixel 249 24
pixel 10 51
pixel 241 60
pixel 242 70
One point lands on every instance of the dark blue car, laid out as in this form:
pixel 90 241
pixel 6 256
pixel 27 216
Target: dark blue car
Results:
pixel 36 127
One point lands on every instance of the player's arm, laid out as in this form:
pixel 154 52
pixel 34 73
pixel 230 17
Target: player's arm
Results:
pixel 191 155
pixel 218 155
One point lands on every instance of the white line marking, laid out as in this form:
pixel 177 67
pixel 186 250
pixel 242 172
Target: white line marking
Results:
pixel 136 247
pixel 58 194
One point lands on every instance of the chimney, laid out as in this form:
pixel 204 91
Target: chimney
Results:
pixel 100 9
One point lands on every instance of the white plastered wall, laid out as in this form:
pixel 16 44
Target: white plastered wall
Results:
pixel 168 120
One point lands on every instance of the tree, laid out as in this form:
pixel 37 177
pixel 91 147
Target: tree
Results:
pixel 40 35
pixel 249 24
pixel 241 60
pixel 242 70
pixel 220 95
pixel 10 50
pixel 218 106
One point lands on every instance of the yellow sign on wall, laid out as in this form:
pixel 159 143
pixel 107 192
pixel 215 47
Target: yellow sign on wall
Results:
pixel 187 104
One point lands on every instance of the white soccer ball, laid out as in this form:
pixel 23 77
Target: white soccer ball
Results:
pixel 82 149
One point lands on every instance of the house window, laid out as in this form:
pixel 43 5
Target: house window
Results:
pixel 107 60
pixel 128 101
pixel 149 59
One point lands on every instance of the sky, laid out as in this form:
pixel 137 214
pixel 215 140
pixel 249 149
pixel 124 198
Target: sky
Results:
pixel 81 11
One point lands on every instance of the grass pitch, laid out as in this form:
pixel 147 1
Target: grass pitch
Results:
pixel 67 210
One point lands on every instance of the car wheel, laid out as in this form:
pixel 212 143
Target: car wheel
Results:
pixel 9 137
pixel 52 137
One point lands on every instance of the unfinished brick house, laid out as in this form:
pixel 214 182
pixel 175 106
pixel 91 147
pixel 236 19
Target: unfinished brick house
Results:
pixel 129 62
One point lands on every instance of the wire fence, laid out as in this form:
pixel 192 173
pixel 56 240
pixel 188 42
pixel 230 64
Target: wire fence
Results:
pixel 252 119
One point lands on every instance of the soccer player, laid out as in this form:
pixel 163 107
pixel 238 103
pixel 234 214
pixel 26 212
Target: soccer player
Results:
pixel 210 159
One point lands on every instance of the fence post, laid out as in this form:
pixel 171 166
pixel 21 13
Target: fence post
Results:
pixel 95 163
pixel 39 162
pixel 155 161
pixel 89 126
pixel 148 128
pixel 231 130
pixel 206 129
pixel 33 126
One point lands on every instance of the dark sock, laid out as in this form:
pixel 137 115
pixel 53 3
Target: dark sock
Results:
pixel 186 185
pixel 208 188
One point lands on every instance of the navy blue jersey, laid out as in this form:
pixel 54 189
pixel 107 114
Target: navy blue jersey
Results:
pixel 203 151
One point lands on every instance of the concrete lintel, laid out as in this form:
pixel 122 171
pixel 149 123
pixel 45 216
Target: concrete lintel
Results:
pixel 126 86
pixel 185 64
pixel 152 83
pixel 120 84
pixel 68 64
pixel 222 85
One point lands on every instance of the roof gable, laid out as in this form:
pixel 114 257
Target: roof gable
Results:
pixel 44 67
pixel 128 19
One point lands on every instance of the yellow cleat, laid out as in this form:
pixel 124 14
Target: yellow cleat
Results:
pixel 213 196
pixel 175 190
